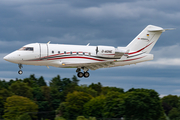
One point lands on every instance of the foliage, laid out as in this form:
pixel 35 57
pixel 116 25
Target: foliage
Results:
pixel 81 118
pixel 94 107
pixel 107 89
pixel 41 82
pixel 86 89
pixel 24 116
pixel 74 103
pixel 17 105
pixel 56 83
pixel 59 118
pixel 21 89
pixel 96 87
pixel 71 100
pixel 31 81
pixel 169 102
pixel 174 113
pixel 142 104
pixel 56 98
pixel 113 105
pixel 4 93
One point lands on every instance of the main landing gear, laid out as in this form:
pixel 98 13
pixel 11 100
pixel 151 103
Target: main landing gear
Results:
pixel 20 71
pixel 80 74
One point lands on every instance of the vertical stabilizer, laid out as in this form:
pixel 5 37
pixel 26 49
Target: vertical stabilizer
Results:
pixel 146 40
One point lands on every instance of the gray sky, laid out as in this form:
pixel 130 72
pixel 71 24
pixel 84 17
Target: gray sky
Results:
pixel 102 22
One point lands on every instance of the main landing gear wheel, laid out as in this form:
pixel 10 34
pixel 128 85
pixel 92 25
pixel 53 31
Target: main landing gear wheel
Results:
pixel 80 74
pixel 86 74
pixel 20 72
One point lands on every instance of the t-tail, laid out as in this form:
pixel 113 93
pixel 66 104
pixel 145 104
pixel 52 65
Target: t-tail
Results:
pixel 145 41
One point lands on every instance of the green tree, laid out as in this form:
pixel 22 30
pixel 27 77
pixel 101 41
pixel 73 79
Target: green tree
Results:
pixel 86 89
pixel 4 94
pixel 113 105
pixel 46 92
pixel 41 82
pixel 107 89
pixel 96 87
pixel 31 81
pixel 60 118
pixel 94 107
pixel 81 118
pixel 21 89
pixel 24 116
pixel 169 102
pixel 75 81
pixel 174 113
pixel 56 98
pixel 142 104
pixel 15 106
pixel 64 86
pixel 56 83
pixel 74 104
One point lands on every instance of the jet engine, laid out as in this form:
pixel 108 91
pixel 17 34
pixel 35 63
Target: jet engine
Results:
pixel 108 51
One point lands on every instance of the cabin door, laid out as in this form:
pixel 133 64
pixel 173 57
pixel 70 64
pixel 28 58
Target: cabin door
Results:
pixel 43 50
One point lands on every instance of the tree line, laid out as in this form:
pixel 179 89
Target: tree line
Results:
pixel 64 99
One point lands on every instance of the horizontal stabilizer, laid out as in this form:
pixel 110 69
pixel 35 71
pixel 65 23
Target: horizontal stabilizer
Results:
pixel 158 29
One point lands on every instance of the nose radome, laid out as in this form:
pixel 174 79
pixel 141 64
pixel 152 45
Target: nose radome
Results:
pixel 7 58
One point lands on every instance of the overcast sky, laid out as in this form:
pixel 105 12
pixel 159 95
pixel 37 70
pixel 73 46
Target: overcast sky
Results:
pixel 99 22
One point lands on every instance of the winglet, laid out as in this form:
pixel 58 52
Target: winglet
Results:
pixel 48 42
pixel 88 44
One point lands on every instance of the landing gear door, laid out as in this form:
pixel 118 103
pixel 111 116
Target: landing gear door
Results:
pixel 43 50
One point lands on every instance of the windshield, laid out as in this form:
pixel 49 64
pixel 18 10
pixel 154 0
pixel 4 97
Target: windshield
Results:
pixel 26 49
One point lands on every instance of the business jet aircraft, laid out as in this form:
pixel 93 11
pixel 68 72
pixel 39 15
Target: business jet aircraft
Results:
pixel 87 57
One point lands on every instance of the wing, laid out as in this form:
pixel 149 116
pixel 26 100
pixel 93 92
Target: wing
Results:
pixel 96 66
pixel 92 66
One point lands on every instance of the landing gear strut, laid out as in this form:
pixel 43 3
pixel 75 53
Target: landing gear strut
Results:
pixel 20 71
pixel 80 74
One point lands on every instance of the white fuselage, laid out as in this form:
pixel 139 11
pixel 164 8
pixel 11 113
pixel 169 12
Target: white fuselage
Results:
pixel 74 56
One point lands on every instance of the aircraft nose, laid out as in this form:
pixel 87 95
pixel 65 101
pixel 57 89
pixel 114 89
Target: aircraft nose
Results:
pixel 7 58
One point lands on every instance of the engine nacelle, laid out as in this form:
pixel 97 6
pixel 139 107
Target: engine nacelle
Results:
pixel 105 51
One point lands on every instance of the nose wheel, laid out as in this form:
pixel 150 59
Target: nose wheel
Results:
pixel 20 71
pixel 80 74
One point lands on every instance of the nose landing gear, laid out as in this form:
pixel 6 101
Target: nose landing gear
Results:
pixel 20 71
pixel 80 74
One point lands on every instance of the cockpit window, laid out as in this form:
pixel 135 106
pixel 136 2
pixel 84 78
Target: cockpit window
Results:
pixel 27 49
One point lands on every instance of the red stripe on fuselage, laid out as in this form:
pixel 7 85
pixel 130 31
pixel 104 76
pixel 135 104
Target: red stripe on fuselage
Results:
pixel 75 57
pixel 140 49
